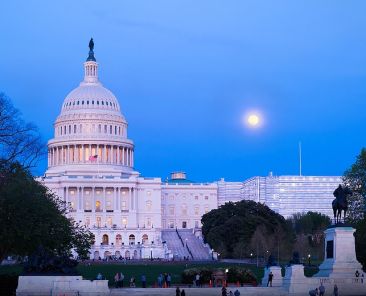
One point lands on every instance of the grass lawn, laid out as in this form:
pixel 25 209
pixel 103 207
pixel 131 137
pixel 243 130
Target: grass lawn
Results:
pixel 151 270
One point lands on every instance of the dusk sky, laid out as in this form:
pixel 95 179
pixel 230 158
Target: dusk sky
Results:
pixel 186 72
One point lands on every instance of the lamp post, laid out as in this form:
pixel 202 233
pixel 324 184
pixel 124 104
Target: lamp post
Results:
pixel 309 258
pixel 151 254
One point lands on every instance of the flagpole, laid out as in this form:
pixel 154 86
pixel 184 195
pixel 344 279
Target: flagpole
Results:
pixel 300 159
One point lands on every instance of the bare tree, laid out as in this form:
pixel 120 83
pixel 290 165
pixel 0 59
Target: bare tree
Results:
pixel 19 141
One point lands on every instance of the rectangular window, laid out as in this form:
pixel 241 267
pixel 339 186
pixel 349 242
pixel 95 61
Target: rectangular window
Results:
pixel 74 128
pixel 123 205
pixel 171 210
pixel 99 128
pixel 87 221
pixel 124 221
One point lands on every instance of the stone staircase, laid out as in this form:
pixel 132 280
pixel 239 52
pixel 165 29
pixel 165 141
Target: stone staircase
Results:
pixel 195 245
pixel 174 244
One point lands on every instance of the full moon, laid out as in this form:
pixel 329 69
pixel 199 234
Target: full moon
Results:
pixel 253 120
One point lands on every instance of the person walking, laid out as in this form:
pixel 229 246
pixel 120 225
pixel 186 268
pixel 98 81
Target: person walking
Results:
pixel 143 280
pixel 132 282
pixel 357 274
pixel 121 279
pixel 321 290
pixel 197 280
pixel 231 293
pixel 177 292
pixel 116 280
pixel 183 293
pixel 223 291
pixel 160 280
pixel 335 290
pixel 313 292
pixel 270 278
pixel 168 280
pixel 237 293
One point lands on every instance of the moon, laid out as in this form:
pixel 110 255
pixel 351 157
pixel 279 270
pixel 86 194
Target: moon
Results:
pixel 253 120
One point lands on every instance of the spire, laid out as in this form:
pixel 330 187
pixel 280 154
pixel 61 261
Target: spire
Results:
pixel 91 51
pixel 91 66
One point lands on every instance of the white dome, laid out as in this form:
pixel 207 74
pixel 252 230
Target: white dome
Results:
pixel 90 96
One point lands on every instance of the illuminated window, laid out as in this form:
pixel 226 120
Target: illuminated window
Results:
pixel 124 221
pixel 145 239
pixel 98 206
pixel 87 221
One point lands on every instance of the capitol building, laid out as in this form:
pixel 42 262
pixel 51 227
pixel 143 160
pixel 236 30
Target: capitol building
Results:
pixel 91 167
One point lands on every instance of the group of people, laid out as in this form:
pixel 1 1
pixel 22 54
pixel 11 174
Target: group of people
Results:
pixel 321 291
pixel 178 292
pixel 164 280
pixel 225 293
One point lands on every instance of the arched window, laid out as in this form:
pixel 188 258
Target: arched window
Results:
pixel 118 239
pixel 105 240
pixel 127 254
pixel 131 239
pixel 145 239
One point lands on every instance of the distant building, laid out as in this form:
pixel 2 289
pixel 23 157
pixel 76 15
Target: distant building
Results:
pixel 91 167
pixel 284 194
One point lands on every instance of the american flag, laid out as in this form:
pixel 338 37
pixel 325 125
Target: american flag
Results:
pixel 93 158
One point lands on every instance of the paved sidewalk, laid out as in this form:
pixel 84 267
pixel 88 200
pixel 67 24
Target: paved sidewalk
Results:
pixel 244 291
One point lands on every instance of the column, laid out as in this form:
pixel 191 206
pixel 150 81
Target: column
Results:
pixel 135 198
pixel 103 200
pixel 77 206
pixel 99 156
pixel 131 198
pixel 132 159
pixel 66 198
pixel 104 153
pixel 112 155
pixel 82 199
pixel 123 155
pixel 82 153
pixel 116 204
pixel 93 199
pixel 68 154
pixel 118 155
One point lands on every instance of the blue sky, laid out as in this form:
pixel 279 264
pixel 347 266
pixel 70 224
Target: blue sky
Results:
pixel 185 72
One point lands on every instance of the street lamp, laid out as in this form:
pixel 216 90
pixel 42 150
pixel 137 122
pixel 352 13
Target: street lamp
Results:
pixel 309 257
pixel 151 255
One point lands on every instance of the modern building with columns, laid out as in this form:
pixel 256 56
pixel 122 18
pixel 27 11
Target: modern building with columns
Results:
pixel 91 167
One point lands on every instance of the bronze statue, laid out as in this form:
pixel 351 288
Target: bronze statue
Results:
pixel 340 203
pixel 91 44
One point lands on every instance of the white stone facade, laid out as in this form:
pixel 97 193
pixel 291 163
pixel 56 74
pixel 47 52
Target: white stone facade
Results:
pixel 91 167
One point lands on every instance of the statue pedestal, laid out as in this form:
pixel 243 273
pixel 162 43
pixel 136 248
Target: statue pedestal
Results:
pixel 340 254
pixel 277 276
pixel 295 281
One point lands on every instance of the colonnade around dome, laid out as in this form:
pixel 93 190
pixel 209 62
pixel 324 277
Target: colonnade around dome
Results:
pixel 85 154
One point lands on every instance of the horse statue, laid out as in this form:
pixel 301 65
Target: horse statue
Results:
pixel 340 203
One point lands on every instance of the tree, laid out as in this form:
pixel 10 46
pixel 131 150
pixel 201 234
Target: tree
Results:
pixel 355 179
pixel 309 228
pixel 360 240
pixel 230 228
pixel 19 141
pixel 32 216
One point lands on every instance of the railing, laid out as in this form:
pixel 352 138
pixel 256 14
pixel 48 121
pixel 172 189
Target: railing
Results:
pixel 176 230
pixel 189 251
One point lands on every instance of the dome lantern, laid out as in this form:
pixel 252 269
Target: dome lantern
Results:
pixel 91 66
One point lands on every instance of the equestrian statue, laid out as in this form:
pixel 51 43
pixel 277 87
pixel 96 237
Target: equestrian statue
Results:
pixel 340 203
